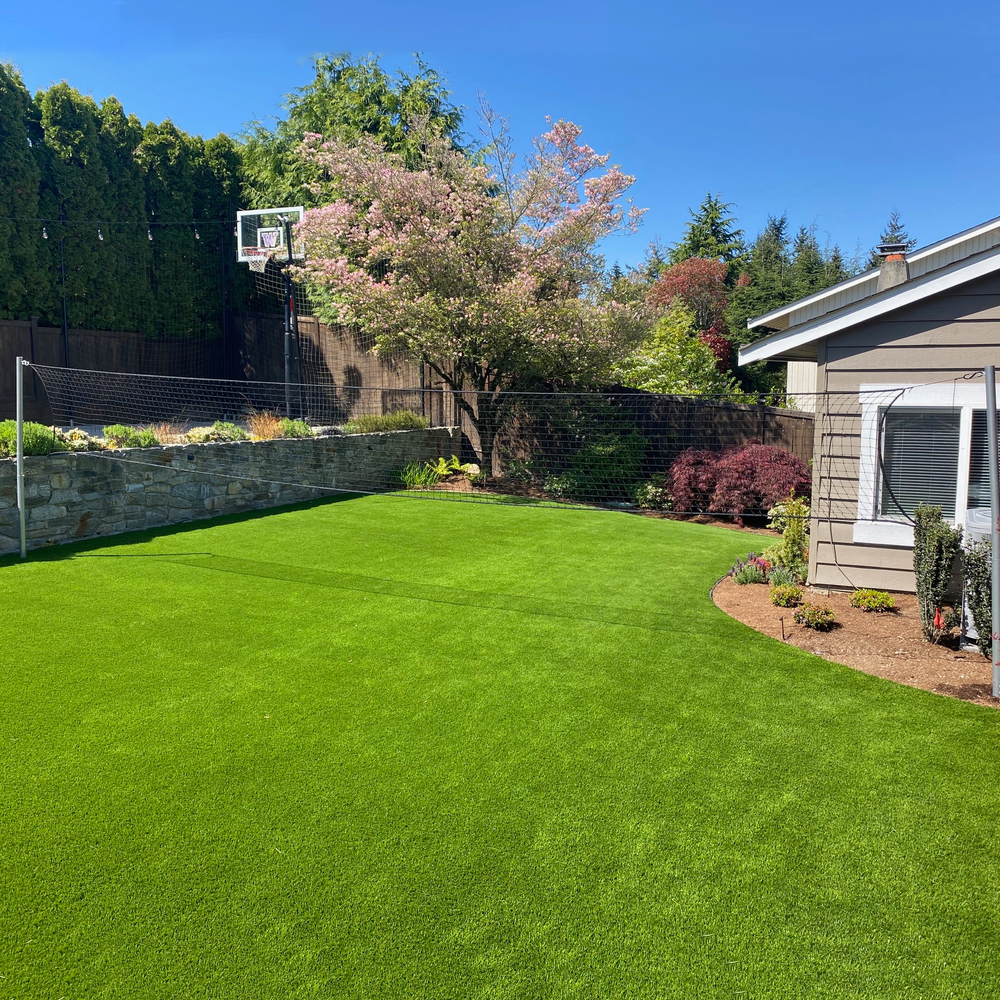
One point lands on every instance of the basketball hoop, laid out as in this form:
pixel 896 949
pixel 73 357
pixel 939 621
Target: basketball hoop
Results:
pixel 257 258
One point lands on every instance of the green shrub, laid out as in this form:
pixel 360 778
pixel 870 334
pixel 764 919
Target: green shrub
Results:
pixel 415 476
pixel 295 428
pixel 791 518
pixel 445 467
pixel 374 423
pixel 605 468
pixel 121 436
pixel 878 601
pixel 652 496
pixel 935 546
pixel 815 616
pixel 148 438
pixel 38 439
pixel 778 576
pixel 785 595
pixel 518 469
pixel 979 592
pixel 221 430
pixel 753 569
pixel 77 439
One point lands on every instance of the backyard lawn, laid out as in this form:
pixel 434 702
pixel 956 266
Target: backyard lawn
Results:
pixel 387 747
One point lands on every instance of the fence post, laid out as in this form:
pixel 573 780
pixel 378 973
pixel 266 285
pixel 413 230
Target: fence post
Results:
pixel 19 382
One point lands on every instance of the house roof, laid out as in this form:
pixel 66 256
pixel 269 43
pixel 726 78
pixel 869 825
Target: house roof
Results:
pixel 942 265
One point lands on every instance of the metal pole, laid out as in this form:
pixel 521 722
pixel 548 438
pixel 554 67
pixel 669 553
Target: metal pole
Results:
pixel 286 223
pixel 288 344
pixel 994 467
pixel 19 381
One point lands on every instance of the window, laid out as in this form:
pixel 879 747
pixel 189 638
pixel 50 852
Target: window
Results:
pixel 919 460
pixel 919 444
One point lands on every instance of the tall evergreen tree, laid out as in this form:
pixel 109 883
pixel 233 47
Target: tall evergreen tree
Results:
pixel 22 274
pixel 346 99
pixel 894 232
pixel 74 184
pixel 126 252
pixel 711 233
pixel 807 273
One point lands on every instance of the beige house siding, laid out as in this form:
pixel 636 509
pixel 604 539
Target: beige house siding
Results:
pixel 943 338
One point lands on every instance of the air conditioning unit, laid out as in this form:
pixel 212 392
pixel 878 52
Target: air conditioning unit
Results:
pixel 977 525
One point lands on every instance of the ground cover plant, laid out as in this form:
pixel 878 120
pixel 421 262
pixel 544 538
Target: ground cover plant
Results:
pixel 389 747
pixel 374 423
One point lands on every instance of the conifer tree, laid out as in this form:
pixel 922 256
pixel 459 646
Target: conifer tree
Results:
pixel 22 275
pixel 73 186
pixel 894 232
pixel 711 233
pixel 807 273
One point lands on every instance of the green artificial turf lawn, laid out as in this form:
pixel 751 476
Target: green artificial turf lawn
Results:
pixel 399 748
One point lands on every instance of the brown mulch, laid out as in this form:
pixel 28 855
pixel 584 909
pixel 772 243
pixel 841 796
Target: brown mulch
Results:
pixel 889 645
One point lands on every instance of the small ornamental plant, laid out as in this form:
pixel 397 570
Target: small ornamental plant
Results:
pixel 786 596
pixel 753 569
pixel 815 616
pixel 878 601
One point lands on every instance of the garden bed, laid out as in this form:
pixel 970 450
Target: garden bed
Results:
pixel 887 645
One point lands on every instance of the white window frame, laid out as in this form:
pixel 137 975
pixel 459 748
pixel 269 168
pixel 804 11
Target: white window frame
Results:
pixel 871 528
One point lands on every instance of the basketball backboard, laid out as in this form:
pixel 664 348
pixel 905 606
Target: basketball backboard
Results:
pixel 262 232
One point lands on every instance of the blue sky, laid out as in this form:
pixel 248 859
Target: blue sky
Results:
pixel 835 114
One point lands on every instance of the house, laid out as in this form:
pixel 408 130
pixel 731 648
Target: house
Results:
pixel 891 361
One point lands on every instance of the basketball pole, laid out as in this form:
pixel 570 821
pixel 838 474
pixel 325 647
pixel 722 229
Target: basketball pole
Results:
pixel 19 382
pixel 289 311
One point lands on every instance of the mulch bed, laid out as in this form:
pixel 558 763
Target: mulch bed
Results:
pixel 889 645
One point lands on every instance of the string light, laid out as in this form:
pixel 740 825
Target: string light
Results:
pixel 45 233
pixel 197 235
pixel 149 234
pixel 100 235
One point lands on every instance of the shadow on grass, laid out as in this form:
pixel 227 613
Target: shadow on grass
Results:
pixel 73 550
pixel 687 623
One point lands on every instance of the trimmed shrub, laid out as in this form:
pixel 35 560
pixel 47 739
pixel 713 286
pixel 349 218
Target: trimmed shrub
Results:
pixel 785 595
pixel 148 438
pixel 878 601
pixel 935 545
pixel 815 616
pixel 979 591
pixel 374 423
pixel 691 480
pixel 755 478
pixel 38 439
pixel 603 469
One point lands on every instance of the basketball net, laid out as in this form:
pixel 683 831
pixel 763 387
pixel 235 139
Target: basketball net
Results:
pixel 257 258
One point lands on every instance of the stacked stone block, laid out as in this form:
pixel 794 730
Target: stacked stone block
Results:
pixel 72 495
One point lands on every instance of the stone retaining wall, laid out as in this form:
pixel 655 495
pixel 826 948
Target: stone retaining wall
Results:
pixel 73 495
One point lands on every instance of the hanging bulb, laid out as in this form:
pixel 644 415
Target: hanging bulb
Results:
pixel 100 235
pixel 149 234
pixel 197 235
pixel 45 233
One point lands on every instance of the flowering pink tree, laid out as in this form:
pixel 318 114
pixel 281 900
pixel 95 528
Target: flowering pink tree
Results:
pixel 485 272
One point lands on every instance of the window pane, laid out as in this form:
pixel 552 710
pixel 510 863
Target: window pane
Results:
pixel 979 463
pixel 920 460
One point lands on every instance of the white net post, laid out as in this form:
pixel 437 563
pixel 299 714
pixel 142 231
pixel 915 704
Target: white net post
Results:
pixel 20 456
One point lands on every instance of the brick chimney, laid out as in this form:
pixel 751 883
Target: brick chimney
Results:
pixel 894 269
